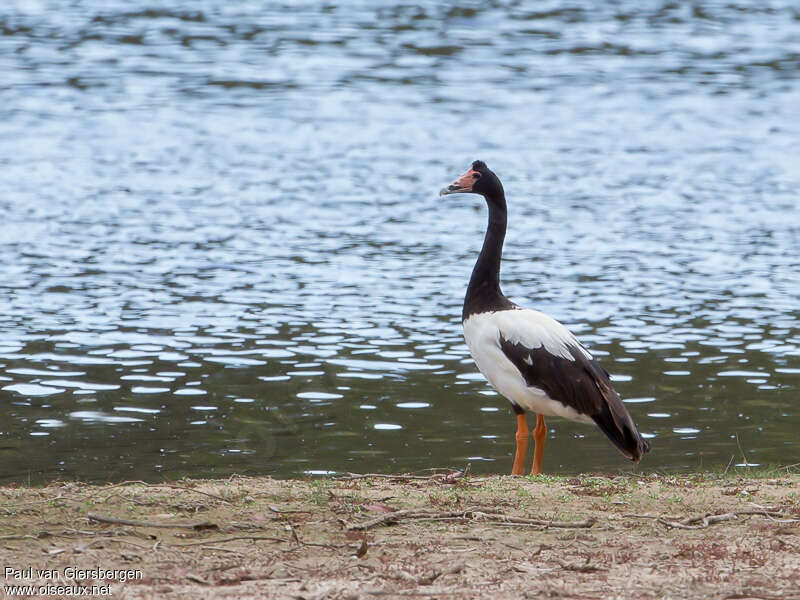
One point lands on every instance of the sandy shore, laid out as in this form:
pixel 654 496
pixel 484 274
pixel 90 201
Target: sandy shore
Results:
pixel 432 536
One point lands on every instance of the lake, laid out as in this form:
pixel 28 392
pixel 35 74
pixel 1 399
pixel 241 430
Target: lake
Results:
pixel 223 250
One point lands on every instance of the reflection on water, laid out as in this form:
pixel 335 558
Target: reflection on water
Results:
pixel 222 249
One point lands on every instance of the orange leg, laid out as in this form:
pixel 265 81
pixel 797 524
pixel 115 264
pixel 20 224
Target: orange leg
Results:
pixel 522 445
pixel 539 437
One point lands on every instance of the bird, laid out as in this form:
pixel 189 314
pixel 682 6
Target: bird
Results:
pixel 527 356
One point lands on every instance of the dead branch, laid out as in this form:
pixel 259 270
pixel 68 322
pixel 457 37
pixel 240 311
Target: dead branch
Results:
pixel 583 567
pixel 730 462
pixel 353 476
pixel 196 579
pixel 753 593
pixel 474 514
pixel 246 525
pixel 586 523
pixel 394 517
pixel 649 516
pixel 436 573
pixel 20 507
pixel 200 526
pixel 703 521
pixel 263 538
pixel 188 489
pixel 447 476
pixel 408 592
pixel 783 542
pixel 384 519
pixel 174 486
pixel 130 543
pixel 426 579
pixel 454 477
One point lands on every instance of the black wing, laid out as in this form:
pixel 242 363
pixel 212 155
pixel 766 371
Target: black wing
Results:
pixel 583 385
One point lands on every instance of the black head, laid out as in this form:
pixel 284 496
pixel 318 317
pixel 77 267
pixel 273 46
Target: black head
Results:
pixel 477 180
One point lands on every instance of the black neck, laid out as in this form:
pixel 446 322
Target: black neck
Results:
pixel 483 292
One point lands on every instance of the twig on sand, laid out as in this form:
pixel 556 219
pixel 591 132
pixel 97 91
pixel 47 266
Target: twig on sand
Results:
pixel 755 593
pixel 173 486
pixel 208 544
pixel 426 579
pixel 429 592
pixel 130 543
pixel 783 542
pixel 264 538
pixel 221 549
pixel 402 477
pixel 27 505
pixel 730 462
pixel 583 567
pixel 472 514
pixel 188 489
pixel 744 457
pixel 436 573
pixel 384 519
pixel 200 526
pixel 703 521
pixel 586 523
pixel 447 476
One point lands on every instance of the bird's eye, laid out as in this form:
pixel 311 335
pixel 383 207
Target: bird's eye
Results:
pixel 476 175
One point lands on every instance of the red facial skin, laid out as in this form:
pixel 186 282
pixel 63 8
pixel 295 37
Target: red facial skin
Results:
pixel 463 183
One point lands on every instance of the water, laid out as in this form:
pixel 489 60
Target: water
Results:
pixel 222 248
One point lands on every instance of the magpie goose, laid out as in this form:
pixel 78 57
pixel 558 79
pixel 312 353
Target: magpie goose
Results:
pixel 531 359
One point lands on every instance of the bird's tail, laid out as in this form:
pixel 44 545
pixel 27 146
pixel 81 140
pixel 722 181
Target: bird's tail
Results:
pixel 618 425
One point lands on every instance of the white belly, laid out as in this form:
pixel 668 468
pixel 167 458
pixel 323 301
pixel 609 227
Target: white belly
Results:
pixel 482 334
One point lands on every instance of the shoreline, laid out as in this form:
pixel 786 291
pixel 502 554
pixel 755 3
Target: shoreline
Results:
pixel 444 535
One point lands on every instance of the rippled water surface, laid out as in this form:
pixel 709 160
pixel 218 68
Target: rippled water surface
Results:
pixel 222 248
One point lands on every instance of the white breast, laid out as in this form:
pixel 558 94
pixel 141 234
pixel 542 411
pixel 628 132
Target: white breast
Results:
pixel 532 329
